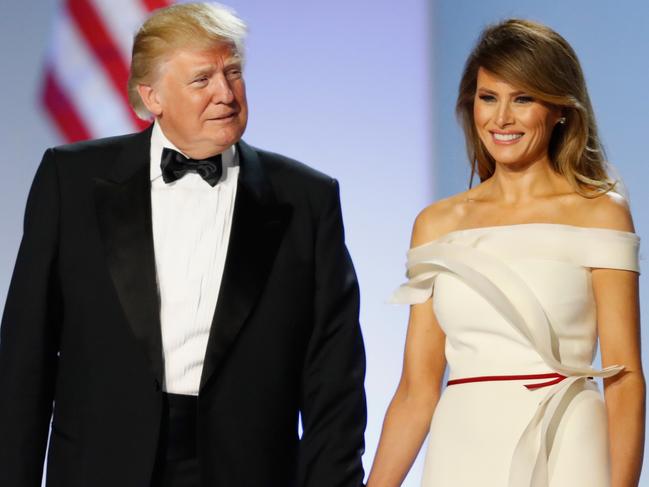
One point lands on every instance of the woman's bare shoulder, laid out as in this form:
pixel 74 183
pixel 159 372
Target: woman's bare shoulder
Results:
pixel 610 210
pixel 439 218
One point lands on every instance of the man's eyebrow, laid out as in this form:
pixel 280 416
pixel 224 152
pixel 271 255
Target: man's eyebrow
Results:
pixel 210 68
pixel 233 61
pixel 201 70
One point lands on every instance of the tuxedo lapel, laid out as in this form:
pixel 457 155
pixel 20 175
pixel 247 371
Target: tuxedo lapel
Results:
pixel 258 225
pixel 123 206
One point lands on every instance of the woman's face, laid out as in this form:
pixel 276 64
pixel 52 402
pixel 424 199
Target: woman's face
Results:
pixel 513 126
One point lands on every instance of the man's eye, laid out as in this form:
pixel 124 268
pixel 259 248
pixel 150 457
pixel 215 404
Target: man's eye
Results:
pixel 234 73
pixel 202 79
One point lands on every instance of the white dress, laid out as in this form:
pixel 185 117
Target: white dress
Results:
pixel 518 300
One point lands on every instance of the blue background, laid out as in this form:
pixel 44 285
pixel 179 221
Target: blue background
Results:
pixel 364 91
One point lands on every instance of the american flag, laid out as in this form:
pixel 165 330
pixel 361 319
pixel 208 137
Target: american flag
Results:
pixel 87 66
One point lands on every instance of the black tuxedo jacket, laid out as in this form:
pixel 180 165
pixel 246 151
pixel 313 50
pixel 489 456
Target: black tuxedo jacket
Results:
pixel 81 331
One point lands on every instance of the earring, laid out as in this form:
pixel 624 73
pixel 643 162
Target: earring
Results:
pixel 562 120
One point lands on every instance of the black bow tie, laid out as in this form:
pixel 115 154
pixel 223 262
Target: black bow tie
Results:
pixel 174 166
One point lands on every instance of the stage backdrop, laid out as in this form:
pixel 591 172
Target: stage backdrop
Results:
pixel 348 88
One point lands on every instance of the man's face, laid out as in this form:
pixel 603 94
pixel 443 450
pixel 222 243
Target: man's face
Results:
pixel 199 98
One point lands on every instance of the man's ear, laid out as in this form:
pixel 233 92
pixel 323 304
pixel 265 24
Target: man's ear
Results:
pixel 150 98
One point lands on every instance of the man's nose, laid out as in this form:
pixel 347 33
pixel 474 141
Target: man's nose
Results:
pixel 221 90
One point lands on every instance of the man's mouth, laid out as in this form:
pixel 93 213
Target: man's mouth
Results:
pixel 224 118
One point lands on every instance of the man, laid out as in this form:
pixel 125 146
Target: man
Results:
pixel 180 297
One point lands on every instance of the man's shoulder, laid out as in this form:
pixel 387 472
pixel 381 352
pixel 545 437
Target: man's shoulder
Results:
pixel 284 167
pixel 100 145
pixel 294 181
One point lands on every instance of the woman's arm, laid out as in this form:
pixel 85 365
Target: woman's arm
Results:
pixel 407 420
pixel 618 321
pixel 408 417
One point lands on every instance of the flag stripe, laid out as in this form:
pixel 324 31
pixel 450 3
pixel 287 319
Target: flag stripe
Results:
pixel 101 44
pixel 62 110
pixel 85 83
pixel 122 19
pixel 84 86
pixel 152 5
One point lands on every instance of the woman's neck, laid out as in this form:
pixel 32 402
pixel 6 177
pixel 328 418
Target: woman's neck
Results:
pixel 514 185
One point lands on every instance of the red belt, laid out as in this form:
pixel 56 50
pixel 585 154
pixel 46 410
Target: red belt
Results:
pixel 555 379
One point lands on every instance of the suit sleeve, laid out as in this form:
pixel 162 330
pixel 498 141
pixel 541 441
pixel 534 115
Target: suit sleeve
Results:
pixel 29 337
pixel 333 396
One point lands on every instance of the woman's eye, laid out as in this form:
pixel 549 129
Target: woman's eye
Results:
pixel 487 98
pixel 524 99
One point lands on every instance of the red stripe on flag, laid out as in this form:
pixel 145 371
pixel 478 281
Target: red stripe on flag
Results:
pixel 62 110
pixel 106 52
pixel 151 5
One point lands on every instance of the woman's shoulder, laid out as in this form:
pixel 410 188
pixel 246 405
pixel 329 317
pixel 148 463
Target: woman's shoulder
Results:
pixel 439 218
pixel 610 210
pixel 606 211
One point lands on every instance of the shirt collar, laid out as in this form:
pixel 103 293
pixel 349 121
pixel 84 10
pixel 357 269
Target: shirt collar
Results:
pixel 159 141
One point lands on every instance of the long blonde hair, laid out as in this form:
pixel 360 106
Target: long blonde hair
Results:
pixel 535 58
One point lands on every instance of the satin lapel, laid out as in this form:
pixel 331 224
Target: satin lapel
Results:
pixel 123 205
pixel 258 225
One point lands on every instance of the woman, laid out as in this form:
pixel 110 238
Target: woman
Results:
pixel 512 283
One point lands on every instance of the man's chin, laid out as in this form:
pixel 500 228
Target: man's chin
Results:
pixel 227 137
pixel 215 145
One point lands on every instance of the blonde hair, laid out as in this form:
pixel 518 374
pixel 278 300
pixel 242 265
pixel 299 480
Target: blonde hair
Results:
pixel 180 26
pixel 535 58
